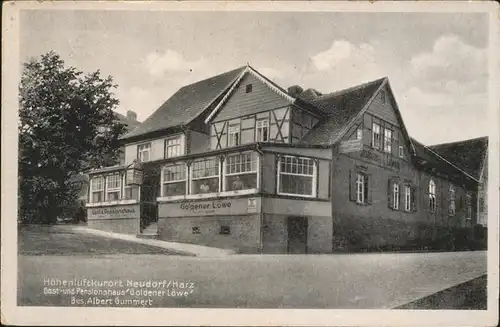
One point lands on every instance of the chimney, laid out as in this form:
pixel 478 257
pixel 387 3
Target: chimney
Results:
pixel 131 115
pixel 295 90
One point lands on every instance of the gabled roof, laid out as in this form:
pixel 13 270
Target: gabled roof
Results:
pixel 187 103
pixel 467 154
pixel 249 70
pixel 340 108
pixel 427 154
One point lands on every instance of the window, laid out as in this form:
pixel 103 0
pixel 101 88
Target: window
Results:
pixel 387 140
pixel 297 176
pixel 359 133
pixel 376 136
pixel 196 230
pixel 469 206
pixel 408 197
pixel 452 208
pixel 132 192
pixel 234 135
pixel 248 88
pixel 97 189
pixel 113 187
pixel 481 204
pixel 241 171
pixel 401 152
pixel 173 180
pixel 205 176
pixel 360 188
pixel 395 196
pixel 173 147
pixel 382 96
pixel 262 127
pixel 432 196
pixel 144 152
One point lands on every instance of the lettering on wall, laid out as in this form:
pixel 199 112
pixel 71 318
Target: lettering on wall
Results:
pixel 210 207
pixel 113 212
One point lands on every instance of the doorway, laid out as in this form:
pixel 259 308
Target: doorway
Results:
pixel 297 235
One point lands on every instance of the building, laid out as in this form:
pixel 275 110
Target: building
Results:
pixel 472 156
pixel 236 161
pixel 130 121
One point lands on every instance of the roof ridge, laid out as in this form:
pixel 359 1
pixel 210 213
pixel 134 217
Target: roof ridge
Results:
pixel 211 77
pixel 458 142
pixel 350 89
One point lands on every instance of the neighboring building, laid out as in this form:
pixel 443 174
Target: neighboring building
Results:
pixel 237 161
pixel 472 156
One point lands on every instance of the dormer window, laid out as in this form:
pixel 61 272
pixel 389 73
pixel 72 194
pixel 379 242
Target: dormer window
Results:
pixel 248 88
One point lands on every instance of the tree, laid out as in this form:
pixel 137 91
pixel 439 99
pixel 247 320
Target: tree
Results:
pixel 67 125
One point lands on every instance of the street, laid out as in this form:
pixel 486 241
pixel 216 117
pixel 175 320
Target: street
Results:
pixel 340 281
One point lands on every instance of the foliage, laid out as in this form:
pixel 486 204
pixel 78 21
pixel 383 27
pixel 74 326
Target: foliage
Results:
pixel 67 125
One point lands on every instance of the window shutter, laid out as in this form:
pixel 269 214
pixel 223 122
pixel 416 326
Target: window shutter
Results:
pixel 413 198
pixel 352 185
pixel 390 197
pixel 368 188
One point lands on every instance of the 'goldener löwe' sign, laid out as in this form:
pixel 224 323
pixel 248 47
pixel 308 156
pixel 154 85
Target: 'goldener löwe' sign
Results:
pixel 209 207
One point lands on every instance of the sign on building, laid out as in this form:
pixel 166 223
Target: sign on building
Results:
pixel 351 146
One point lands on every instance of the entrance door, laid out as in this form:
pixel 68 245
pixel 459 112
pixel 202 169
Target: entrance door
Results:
pixel 297 235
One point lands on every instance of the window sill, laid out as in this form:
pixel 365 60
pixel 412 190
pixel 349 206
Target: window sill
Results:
pixel 206 195
pixel 111 203
pixel 298 195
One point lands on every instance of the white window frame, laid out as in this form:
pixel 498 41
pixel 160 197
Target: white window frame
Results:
pixel 359 133
pixel 192 178
pixel 163 181
pixel 388 133
pixel 360 188
pixel 232 131
pixel 395 195
pixel 313 176
pixel 432 196
pixel 407 198
pixel 252 164
pixel 125 187
pixel 116 189
pixel 452 204
pixel 260 126
pixel 92 191
pixel 376 135
pixel 176 144
pixel 143 148
pixel 401 151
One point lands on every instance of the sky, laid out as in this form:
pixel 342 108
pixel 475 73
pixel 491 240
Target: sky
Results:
pixel 436 63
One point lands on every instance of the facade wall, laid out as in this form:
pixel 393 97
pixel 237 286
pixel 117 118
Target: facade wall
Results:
pixel 197 142
pixel 118 219
pixel 157 148
pixel 241 103
pixel 244 231
pixel 277 211
pixel 376 224
pixel 383 106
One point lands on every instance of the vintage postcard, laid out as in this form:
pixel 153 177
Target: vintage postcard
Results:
pixel 250 163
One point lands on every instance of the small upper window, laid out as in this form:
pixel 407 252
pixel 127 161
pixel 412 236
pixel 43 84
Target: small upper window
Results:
pixel 359 133
pixel 401 151
pixel 382 96
pixel 248 88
